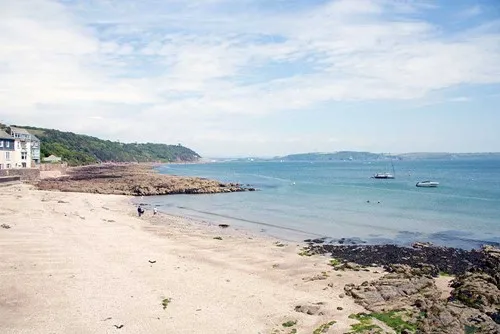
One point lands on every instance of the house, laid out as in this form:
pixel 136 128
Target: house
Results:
pixel 51 159
pixel 7 150
pixel 28 142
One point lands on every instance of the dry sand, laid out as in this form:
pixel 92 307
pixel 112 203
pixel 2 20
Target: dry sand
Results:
pixel 80 263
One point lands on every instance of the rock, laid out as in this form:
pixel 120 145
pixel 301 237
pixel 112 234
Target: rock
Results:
pixel 135 180
pixel 310 309
pixel 418 245
pixel 5 226
pixel 473 307
pixel 480 288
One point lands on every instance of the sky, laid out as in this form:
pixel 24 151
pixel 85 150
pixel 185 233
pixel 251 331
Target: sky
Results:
pixel 257 78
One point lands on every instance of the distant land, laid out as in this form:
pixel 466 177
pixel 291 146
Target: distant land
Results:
pixel 77 149
pixel 368 156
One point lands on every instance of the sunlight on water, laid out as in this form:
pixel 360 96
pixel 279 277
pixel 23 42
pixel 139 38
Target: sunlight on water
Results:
pixel 339 199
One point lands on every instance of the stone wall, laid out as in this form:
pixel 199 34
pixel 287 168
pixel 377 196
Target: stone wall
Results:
pixel 47 167
pixel 26 174
pixel 7 179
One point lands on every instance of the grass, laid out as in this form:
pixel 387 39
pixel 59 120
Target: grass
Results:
pixel 218 238
pixel 289 323
pixel 335 262
pixel 392 319
pixel 364 324
pixel 444 274
pixel 324 328
pixel 165 302
pixel 305 252
pixel 470 329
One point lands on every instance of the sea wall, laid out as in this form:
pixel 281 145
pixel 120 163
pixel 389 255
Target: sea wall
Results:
pixel 26 174
pixel 53 167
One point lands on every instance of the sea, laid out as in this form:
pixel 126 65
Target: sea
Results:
pixel 340 202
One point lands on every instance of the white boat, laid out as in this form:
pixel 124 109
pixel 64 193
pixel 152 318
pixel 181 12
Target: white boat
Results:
pixel 427 184
pixel 385 175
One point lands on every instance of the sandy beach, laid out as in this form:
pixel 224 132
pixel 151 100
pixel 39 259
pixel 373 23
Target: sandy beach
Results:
pixel 85 263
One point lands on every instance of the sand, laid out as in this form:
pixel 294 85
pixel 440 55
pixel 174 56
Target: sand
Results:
pixel 81 263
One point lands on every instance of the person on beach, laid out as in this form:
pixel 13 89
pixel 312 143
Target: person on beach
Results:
pixel 140 210
pixel 155 210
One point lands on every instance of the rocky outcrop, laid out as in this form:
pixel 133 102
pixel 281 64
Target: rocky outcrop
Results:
pixel 480 288
pixel 444 259
pixel 473 307
pixel 394 291
pixel 134 180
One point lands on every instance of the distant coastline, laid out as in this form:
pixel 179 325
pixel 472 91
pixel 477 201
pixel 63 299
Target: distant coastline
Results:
pixel 369 156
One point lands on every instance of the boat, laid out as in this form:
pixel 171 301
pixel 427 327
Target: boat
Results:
pixel 386 175
pixel 383 176
pixel 427 184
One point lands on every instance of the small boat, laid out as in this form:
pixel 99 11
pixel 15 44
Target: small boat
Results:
pixel 383 176
pixel 386 175
pixel 427 184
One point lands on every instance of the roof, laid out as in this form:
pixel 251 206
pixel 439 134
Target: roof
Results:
pixel 19 130
pixel 51 157
pixel 5 135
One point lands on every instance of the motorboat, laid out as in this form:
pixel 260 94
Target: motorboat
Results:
pixel 427 184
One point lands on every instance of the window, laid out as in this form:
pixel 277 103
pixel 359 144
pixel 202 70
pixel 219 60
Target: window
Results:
pixel 9 166
pixel 1 166
pixel 1 143
pixel 7 156
pixel 24 164
pixel 18 145
pixel 24 155
pixel 7 144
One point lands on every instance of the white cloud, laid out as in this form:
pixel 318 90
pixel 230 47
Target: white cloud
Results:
pixel 191 68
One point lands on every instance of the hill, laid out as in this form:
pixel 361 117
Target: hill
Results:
pixel 367 156
pixel 76 149
pixel 342 155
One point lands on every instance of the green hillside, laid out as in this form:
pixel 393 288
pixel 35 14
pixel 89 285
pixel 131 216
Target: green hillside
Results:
pixel 81 149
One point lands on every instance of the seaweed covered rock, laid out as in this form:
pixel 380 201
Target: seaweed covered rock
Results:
pixel 480 288
pixel 473 307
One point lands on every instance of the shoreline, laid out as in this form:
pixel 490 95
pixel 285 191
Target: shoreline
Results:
pixel 104 267
pixel 86 263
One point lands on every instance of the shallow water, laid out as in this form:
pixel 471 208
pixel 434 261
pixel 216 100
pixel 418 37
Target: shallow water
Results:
pixel 299 200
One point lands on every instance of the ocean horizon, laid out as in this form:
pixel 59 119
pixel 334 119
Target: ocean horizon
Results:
pixel 339 201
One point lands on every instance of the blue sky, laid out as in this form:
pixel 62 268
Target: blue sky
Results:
pixel 254 77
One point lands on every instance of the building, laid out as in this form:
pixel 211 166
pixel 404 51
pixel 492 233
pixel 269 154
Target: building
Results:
pixel 52 159
pixel 29 144
pixel 7 150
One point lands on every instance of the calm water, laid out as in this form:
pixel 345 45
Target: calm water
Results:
pixel 330 199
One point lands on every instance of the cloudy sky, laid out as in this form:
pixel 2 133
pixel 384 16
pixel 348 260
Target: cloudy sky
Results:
pixel 257 77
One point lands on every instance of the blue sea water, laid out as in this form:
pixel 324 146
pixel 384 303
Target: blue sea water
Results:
pixel 299 200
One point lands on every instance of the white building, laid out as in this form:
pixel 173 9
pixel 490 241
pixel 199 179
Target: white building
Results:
pixel 32 143
pixel 16 151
